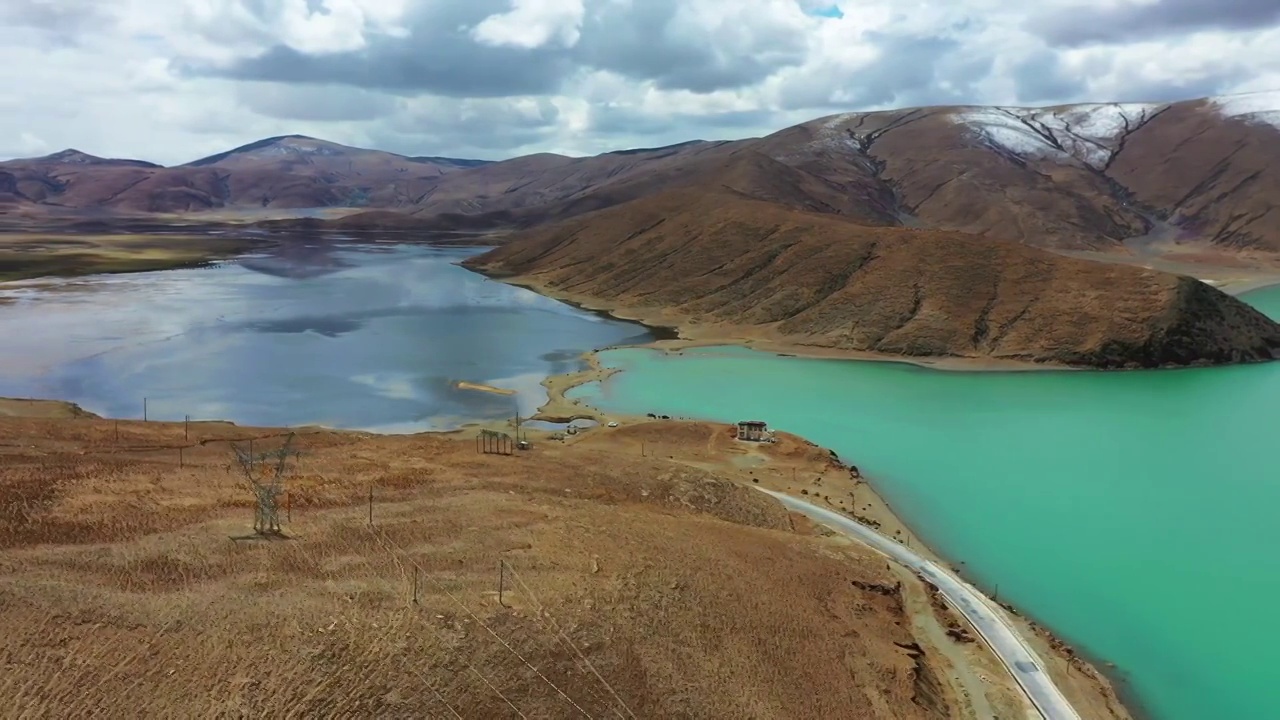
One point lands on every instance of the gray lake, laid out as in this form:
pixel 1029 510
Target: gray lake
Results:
pixel 370 337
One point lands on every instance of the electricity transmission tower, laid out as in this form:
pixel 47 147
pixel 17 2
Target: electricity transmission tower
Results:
pixel 265 474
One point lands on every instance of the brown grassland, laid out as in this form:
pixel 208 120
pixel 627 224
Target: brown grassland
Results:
pixel 25 255
pixel 645 585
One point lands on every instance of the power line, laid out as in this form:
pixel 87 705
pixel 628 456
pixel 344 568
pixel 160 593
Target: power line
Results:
pixel 440 696
pixel 384 541
pixel 566 641
pixel 491 687
pixel 488 629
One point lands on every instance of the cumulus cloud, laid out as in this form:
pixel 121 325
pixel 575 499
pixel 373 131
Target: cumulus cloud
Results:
pixel 172 80
pixel 533 23
pixel 700 45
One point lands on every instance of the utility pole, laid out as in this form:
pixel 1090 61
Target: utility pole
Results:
pixel 502 577
pixel 144 409
pixel 186 427
pixel 370 506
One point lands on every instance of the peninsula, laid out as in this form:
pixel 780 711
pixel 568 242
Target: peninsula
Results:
pixel 724 268
pixel 416 576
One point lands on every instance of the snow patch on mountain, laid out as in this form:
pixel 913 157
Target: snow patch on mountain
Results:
pixel 1086 134
pixel 1089 134
pixel 300 146
pixel 1259 107
pixel 832 134
pixel 1007 129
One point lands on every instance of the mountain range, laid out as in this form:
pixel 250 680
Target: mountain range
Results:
pixel 924 232
pixel 1077 177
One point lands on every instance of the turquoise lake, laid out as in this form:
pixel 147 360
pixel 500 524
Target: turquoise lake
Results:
pixel 1132 512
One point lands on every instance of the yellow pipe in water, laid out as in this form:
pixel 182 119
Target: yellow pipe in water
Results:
pixel 464 385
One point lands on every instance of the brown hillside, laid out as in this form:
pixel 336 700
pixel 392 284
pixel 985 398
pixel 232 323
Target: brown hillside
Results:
pixel 1079 177
pixel 538 181
pixel 738 170
pixel 644 583
pixel 1217 180
pixel 945 175
pixel 735 268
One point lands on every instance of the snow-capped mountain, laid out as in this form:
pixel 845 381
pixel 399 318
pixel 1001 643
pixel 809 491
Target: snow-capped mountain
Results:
pixel 1092 134
pixel 1087 176
pixel 1202 173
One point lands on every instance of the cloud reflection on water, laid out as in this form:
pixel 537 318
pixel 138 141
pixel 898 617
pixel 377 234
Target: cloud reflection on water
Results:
pixel 377 340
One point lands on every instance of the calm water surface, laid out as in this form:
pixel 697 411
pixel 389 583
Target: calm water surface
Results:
pixel 1135 512
pixel 345 336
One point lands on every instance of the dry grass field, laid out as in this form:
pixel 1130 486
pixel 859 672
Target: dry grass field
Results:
pixel 26 255
pixel 636 586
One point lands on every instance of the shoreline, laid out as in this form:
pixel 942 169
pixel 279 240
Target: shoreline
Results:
pixel 872 511
pixel 35 256
pixel 1079 676
pixel 670 336
pixel 599 534
pixel 826 478
pixel 1244 287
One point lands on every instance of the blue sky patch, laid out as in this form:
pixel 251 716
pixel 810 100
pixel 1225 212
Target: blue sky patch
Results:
pixel 831 11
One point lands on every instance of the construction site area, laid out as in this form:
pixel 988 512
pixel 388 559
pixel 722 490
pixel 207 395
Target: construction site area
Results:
pixel 181 570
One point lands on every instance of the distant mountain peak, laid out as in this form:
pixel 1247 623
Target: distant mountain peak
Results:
pixel 72 156
pixel 280 144
pixel 305 146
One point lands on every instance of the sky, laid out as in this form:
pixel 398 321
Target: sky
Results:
pixel 171 81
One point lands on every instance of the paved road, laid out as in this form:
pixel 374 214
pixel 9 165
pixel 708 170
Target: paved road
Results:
pixel 989 619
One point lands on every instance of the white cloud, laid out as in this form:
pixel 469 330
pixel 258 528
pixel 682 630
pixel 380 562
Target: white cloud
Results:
pixel 493 78
pixel 533 23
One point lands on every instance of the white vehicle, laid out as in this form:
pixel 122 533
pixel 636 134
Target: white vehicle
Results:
pixel 613 424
